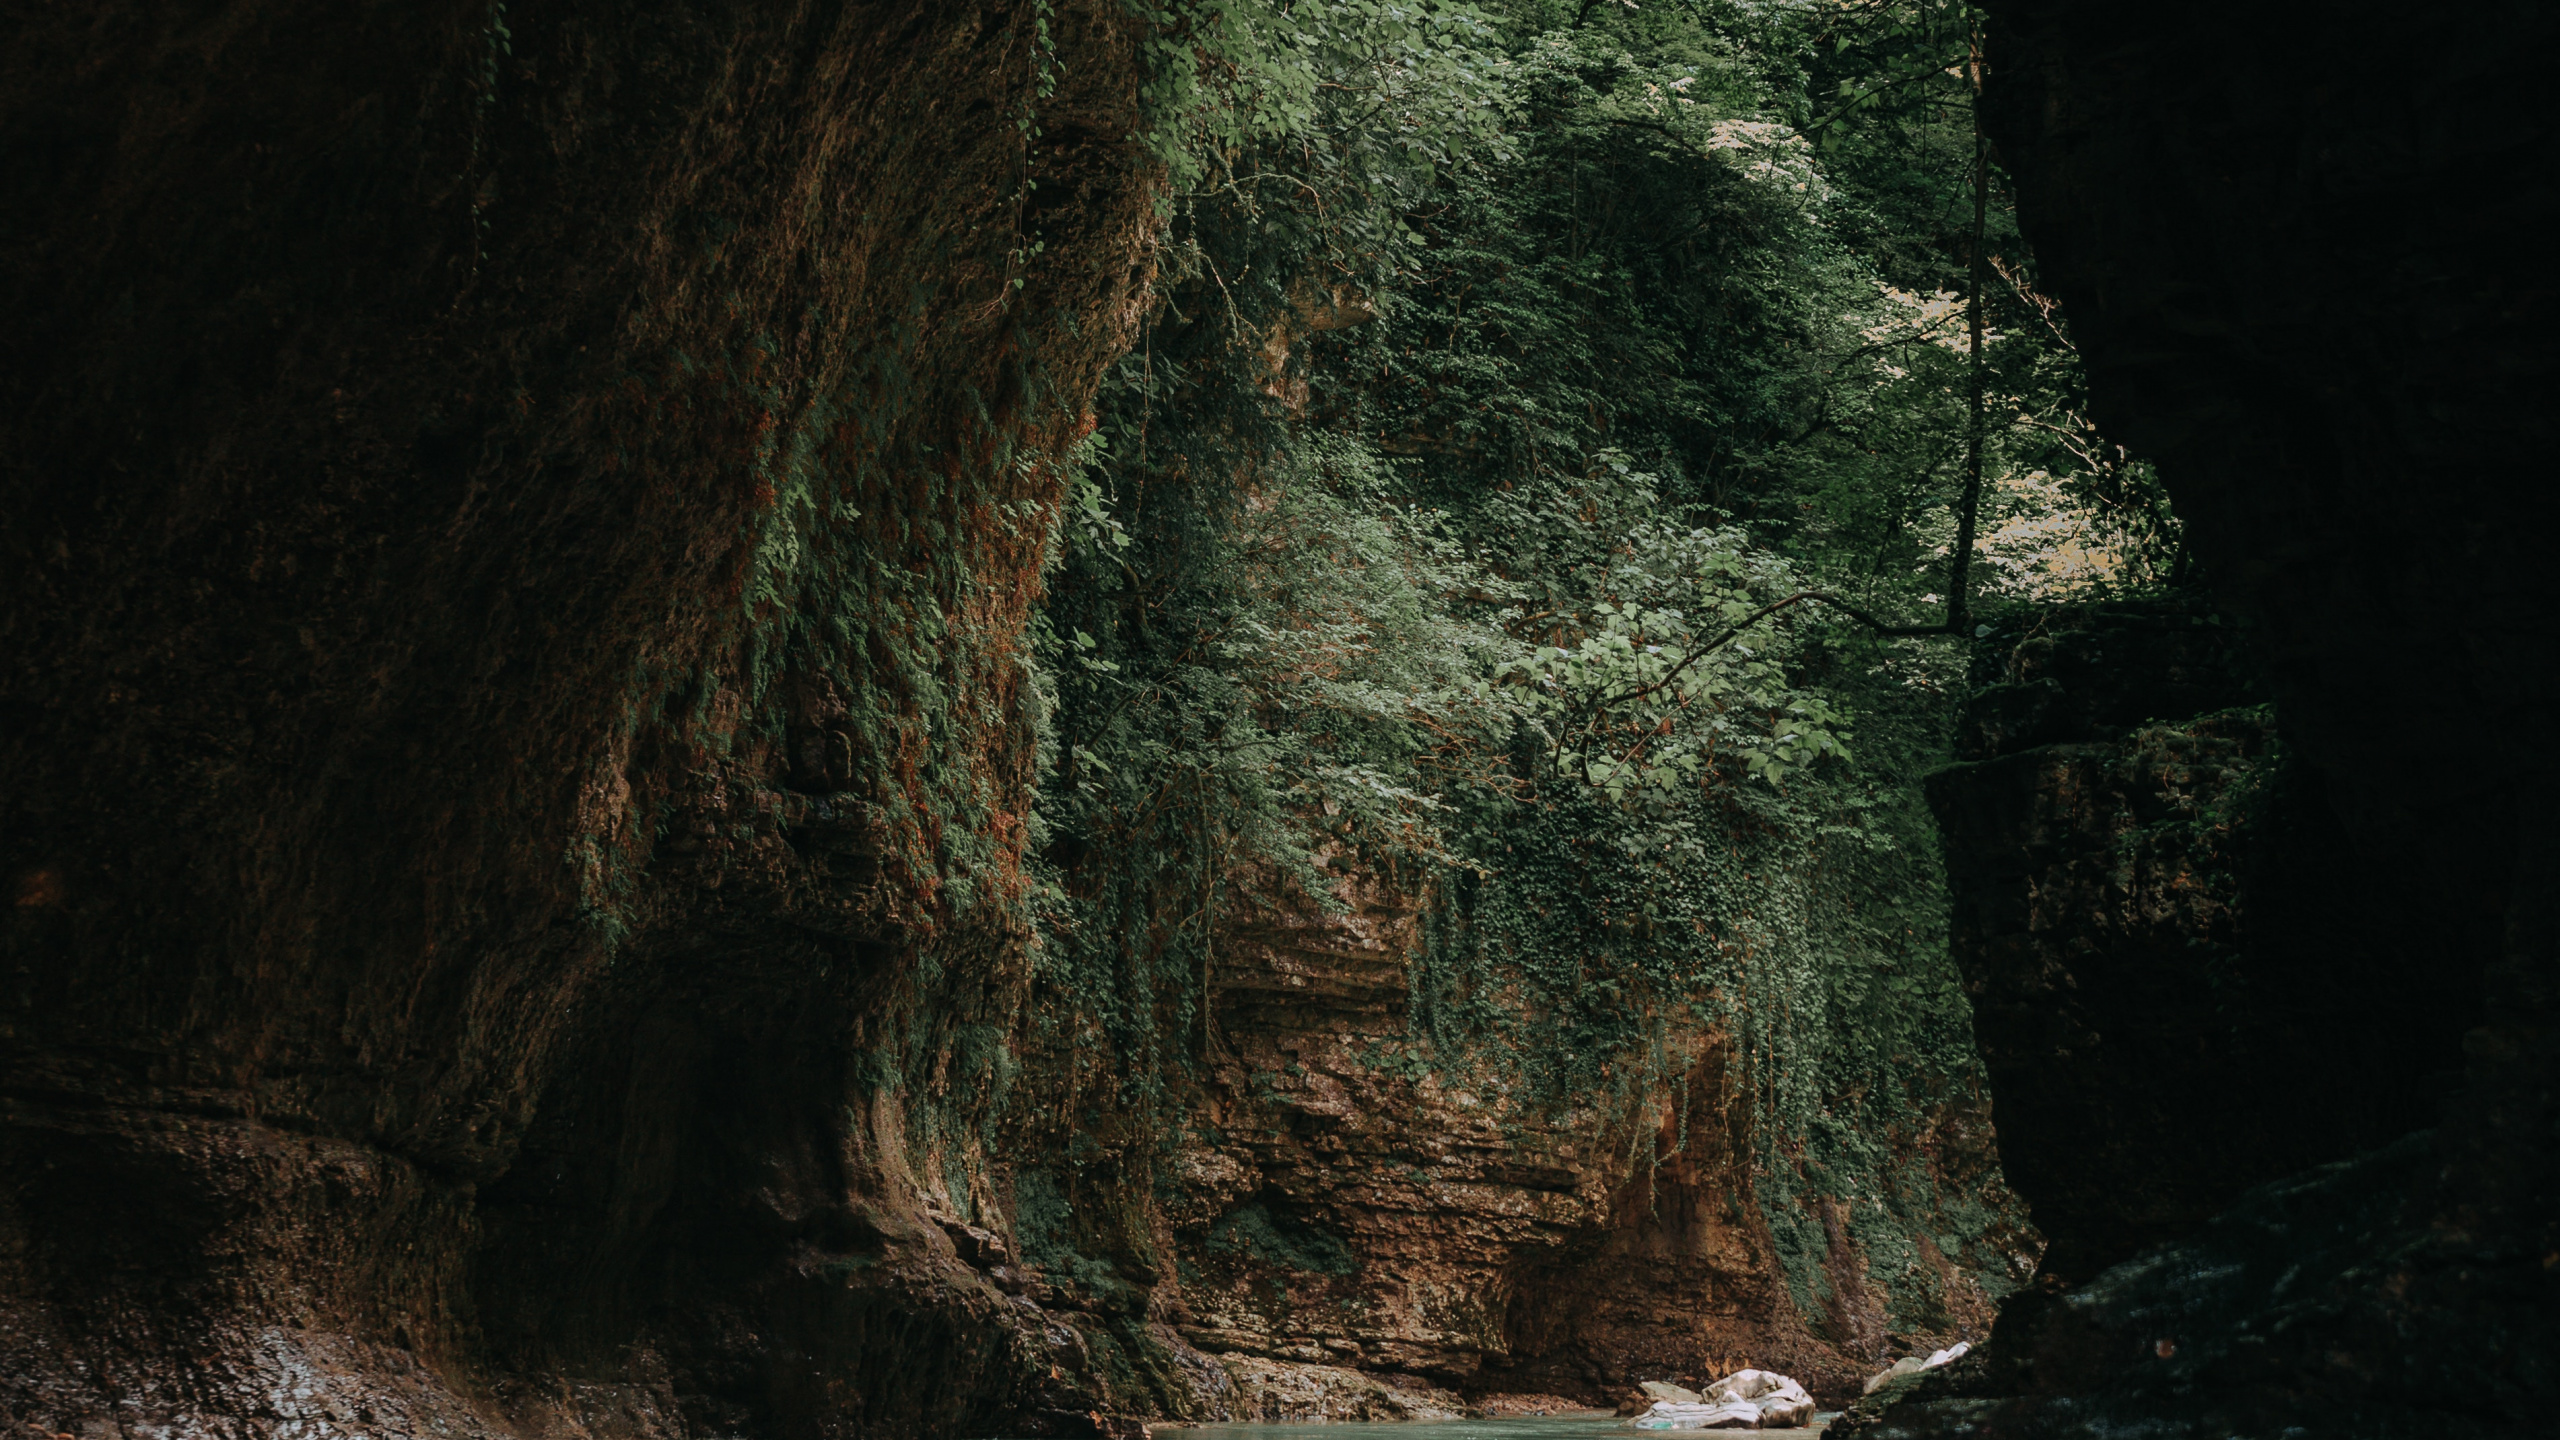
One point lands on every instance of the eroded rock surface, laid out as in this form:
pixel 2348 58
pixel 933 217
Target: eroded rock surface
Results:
pixel 1338 1207
pixel 2297 290
pixel 489 487
pixel 2187 979
pixel 1744 1400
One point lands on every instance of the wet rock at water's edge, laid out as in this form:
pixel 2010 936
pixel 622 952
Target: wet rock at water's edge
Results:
pixel 1507 1405
pixel 1914 1364
pixel 1280 1392
pixel 1743 1400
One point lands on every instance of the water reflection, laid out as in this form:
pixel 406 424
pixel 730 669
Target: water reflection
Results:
pixel 1512 1427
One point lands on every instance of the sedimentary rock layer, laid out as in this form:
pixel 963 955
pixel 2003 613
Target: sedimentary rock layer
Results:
pixel 2187 981
pixel 2301 247
pixel 520 519
pixel 1338 1206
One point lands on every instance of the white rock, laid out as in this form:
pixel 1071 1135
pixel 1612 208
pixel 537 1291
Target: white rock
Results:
pixel 1665 1390
pixel 1680 1415
pixel 1743 1400
pixel 1907 1365
pixel 1781 1402
pixel 1913 1364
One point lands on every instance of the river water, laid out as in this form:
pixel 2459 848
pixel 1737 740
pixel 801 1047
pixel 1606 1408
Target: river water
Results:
pixel 1515 1427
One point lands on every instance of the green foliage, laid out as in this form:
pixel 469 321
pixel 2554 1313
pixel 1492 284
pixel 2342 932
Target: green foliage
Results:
pixel 1045 1227
pixel 1257 1231
pixel 1680 670
pixel 1804 920
pixel 1514 367
pixel 1377 92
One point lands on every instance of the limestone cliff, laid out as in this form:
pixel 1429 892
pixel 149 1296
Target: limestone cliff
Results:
pixel 2298 288
pixel 1497 1247
pixel 515 741
pixel 1347 1232
pixel 2186 979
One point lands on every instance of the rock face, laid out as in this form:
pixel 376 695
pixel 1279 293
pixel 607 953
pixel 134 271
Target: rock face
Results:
pixel 2186 979
pixel 1279 1392
pixel 2201 217
pixel 514 737
pixel 2299 246
pixel 515 769
pixel 1336 1207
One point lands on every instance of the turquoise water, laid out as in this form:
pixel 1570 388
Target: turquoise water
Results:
pixel 1518 1427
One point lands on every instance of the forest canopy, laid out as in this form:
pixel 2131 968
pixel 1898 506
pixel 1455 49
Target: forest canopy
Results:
pixel 1516 374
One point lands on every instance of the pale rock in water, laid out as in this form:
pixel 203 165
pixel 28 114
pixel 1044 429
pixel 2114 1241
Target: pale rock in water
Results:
pixel 1913 1365
pixel 1907 1365
pixel 1743 1400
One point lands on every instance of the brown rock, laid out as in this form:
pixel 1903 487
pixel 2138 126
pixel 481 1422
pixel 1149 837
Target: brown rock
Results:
pixel 1428 1224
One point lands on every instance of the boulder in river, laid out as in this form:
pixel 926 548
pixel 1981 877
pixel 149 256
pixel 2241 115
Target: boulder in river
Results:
pixel 1743 1400
pixel 1907 1365
pixel 1914 1364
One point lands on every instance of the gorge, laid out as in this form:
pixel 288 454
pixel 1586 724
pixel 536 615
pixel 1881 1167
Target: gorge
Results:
pixel 862 718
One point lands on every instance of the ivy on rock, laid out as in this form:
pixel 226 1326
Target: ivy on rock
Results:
pixel 1516 371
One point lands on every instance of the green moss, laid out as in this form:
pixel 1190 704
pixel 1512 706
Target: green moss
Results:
pixel 1049 1231
pixel 1258 1231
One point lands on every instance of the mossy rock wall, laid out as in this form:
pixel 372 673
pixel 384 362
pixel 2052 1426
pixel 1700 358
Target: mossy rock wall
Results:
pixel 521 520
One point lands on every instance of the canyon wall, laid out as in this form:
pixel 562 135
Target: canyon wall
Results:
pixel 517 766
pixel 2187 980
pixel 1342 1202
pixel 519 527
pixel 1337 1225
pixel 2301 251
pixel 517 748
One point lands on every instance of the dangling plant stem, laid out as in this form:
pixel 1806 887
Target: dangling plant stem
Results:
pixel 1959 581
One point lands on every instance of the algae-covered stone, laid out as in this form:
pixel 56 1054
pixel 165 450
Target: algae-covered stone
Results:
pixel 1907 1365
pixel 1914 1364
